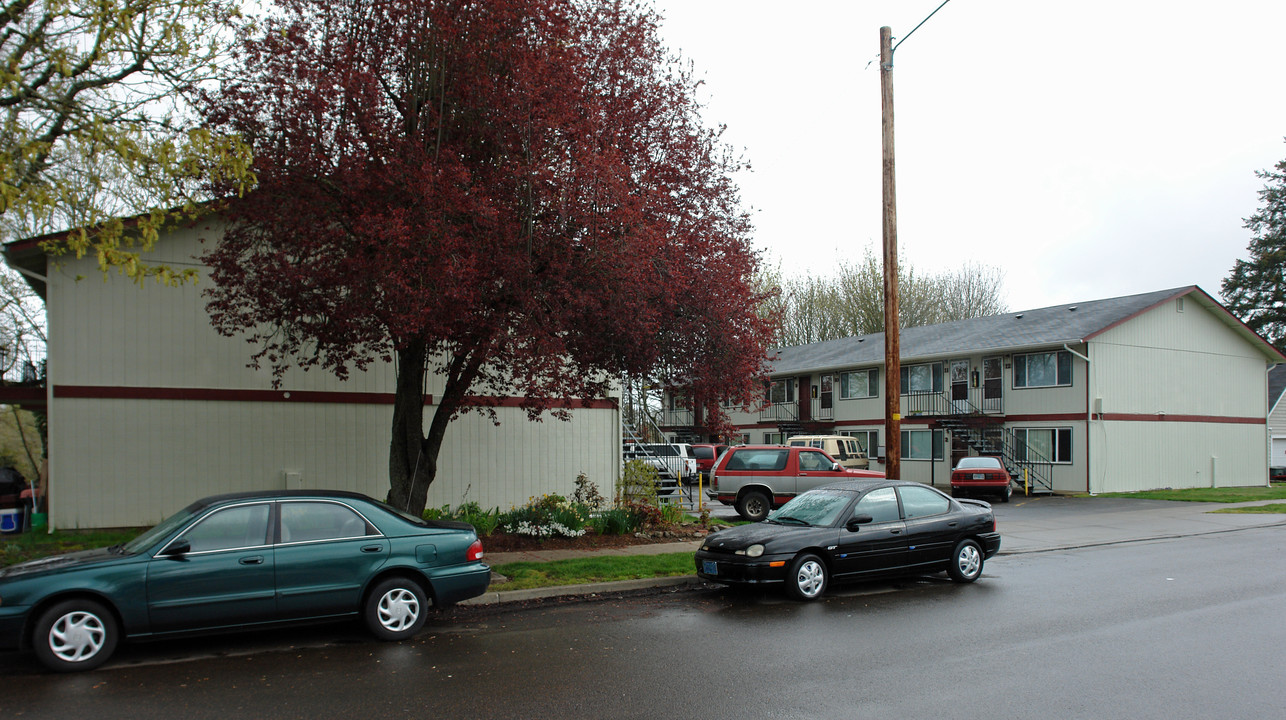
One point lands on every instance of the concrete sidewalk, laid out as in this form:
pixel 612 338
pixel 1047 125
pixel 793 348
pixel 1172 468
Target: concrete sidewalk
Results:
pixel 1026 525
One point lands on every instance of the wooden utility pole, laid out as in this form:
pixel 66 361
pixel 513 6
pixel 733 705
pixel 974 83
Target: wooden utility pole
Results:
pixel 892 341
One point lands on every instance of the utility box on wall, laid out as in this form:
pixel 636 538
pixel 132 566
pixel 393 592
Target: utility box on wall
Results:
pixel 294 479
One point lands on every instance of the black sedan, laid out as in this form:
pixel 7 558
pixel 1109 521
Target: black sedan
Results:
pixel 242 561
pixel 854 530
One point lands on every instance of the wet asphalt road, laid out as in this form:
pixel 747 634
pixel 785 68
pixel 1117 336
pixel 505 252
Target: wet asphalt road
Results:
pixel 1175 629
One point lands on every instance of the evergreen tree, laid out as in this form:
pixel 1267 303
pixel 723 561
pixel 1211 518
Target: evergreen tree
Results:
pixel 1256 289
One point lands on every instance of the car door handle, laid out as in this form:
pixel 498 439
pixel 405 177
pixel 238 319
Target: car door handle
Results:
pixel 372 548
pixel 895 531
pixel 952 524
pixel 255 560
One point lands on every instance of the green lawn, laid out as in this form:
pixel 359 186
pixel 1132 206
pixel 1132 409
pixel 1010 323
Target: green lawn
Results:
pixel 33 545
pixel 1222 495
pixel 1257 509
pixel 525 575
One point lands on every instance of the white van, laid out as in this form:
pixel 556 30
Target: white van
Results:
pixel 847 451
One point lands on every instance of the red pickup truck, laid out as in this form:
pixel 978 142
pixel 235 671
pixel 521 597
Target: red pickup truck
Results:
pixel 757 478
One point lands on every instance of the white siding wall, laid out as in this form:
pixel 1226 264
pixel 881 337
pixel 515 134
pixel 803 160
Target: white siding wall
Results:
pixel 1277 436
pixel 1190 387
pixel 128 462
pixel 1133 456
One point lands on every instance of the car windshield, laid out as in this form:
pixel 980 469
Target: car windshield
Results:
pixel 819 507
pixel 973 463
pixel 167 526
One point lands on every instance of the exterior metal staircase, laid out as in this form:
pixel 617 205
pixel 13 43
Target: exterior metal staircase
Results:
pixel 986 434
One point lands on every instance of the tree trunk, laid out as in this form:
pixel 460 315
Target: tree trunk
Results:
pixel 413 456
pixel 410 469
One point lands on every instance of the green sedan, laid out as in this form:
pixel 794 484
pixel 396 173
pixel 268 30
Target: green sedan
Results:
pixel 237 562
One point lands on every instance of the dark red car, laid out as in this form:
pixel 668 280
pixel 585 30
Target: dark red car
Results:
pixel 707 454
pixel 981 475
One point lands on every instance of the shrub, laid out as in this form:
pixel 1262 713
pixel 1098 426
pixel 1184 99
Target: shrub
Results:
pixel 547 516
pixel 638 483
pixel 587 493
pixel 484 521
pixel 617 521
pixel 672 514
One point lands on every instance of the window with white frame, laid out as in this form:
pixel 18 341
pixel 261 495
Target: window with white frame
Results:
pixel 774 438
pixel 1044 444
pixel 869 439
pixel 859 384
pixel 921 444
pixel 921 378
pixel 1049 369
pixel 781 391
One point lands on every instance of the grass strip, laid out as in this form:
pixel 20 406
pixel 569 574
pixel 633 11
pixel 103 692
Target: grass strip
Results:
pixel 1221 495
pixel 599 568
pixel 38 544
pixel 1256 509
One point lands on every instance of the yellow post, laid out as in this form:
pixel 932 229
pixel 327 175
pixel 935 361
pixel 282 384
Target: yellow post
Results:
pixel 1026 483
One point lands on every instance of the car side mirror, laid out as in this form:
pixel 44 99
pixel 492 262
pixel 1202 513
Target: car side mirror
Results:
pixel 178 547
pixel 857 521
pixel 836 467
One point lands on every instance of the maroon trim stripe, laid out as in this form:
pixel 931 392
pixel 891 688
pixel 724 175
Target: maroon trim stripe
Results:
pixel 1140 417
pixel 96 392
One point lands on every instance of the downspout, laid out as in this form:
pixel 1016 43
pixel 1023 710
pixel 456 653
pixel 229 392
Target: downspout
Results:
pixel 1089 413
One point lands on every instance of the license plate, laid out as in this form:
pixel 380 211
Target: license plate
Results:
pixel 710 567
pixel 979 476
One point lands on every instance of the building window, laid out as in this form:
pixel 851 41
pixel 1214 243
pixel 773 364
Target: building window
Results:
pixel 918 444
pixel 781 391
pixel 1052 445
pixel 1051 369
pixel 774 439
pixel 859 384
pixel 922 379
pixel 868 439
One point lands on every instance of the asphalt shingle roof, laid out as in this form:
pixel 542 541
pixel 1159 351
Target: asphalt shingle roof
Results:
pixel 1276 383
pixel 1022 329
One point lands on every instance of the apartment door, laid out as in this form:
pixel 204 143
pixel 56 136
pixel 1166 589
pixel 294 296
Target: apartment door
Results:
pixel 959 387
pixel 992 385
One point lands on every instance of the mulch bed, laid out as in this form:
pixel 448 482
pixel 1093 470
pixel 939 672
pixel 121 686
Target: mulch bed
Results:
pixel 498 542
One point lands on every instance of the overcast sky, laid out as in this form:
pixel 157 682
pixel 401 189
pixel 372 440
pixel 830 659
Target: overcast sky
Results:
pixel 1087 149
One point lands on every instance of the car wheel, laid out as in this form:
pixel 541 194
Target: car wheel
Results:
pixel 753 506
pixel 808 577
pixel 75 635
pixel 396 609
pixel 1009 490
pixel 966 561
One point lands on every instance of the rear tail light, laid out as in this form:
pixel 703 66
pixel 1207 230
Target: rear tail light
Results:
pixel 475 552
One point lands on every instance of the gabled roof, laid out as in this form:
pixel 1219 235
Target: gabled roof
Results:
pixel 1010 332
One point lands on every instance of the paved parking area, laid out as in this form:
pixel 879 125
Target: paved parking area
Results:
pixel 1041 523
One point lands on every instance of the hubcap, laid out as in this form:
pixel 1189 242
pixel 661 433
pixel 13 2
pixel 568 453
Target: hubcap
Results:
pixel 970 561
pixel 810 578
pixel 77 636
pixel 399 609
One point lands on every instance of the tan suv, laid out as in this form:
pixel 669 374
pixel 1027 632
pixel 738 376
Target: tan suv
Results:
pixel 847 450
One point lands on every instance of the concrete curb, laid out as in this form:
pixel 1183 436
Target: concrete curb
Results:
pixel 509 596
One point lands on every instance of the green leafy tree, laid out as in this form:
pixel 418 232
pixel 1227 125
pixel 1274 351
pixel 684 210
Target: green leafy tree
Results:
pixel 95 122
pixel 1256 289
